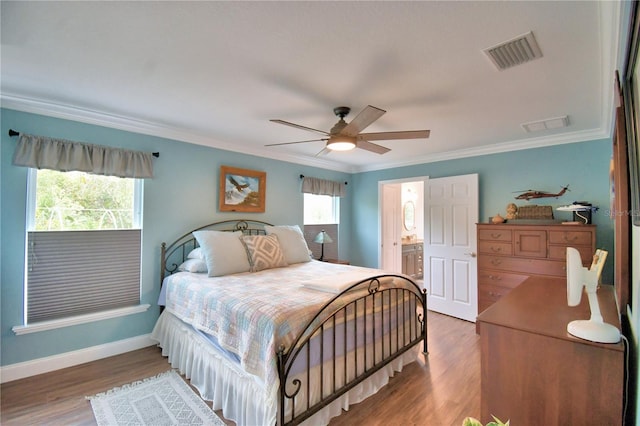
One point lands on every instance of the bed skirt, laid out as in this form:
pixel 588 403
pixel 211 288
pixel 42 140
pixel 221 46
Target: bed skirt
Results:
pixel 240 396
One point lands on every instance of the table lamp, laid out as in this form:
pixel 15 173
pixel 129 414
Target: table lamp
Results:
pixel 321 239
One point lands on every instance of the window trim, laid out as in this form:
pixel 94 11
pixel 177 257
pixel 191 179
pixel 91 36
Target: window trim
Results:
pixel 78 319
pixel 34 327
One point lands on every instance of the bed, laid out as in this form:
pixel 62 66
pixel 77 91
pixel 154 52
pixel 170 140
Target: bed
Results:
pixel 271 336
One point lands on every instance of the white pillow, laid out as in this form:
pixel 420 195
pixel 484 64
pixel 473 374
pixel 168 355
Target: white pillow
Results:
pixel 193 265
pixel 223 251
pixel 292 242
pixel 196 253
pixel 264 252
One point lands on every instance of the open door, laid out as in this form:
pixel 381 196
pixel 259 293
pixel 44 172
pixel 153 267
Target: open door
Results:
pixel 391 259
pixel 450 246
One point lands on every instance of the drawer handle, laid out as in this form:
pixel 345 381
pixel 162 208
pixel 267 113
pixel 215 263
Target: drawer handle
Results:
pixel 569 240
pixel 495 278
pixel 496 249
pixel 494 294
pixel 496 235
pixel 496 262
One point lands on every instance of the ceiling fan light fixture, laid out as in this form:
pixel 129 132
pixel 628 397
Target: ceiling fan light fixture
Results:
pixel 341 143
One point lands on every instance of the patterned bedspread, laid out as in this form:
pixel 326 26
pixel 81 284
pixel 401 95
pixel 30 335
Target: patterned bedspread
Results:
pixel 252 314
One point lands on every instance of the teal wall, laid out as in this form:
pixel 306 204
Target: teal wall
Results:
pixel 184 193
pixel 182 196
pixel 583 166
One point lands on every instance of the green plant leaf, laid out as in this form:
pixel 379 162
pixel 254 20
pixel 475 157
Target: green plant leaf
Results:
pixel 470 421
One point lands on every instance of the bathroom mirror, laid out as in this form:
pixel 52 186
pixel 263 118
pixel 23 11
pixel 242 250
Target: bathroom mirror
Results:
pixel 409 215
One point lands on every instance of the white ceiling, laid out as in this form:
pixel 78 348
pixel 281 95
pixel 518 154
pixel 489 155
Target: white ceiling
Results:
pixel 214 73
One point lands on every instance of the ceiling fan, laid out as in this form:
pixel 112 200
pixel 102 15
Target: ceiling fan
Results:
pixel 344 137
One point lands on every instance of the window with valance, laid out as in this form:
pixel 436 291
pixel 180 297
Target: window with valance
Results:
pixel 322 213
pixel 83 236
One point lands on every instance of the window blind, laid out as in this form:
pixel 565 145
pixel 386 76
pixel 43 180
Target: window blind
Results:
pixel 79 272
pixel 330 250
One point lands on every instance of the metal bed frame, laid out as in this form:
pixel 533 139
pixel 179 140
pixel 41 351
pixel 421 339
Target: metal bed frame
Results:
pixel 408 313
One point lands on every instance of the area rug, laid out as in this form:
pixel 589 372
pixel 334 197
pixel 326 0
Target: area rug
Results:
pixel 157 401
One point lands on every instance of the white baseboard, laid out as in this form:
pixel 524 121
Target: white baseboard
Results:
pixel 21 370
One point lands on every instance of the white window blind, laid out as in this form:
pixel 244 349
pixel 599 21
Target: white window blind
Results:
pixel 78 272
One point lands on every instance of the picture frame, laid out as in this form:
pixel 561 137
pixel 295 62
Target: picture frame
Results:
pixel 242 190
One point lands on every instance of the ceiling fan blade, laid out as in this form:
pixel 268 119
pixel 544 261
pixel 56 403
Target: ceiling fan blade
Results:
pixel 387 136
pixel 368 146
pixel 325 151
pixel 362 120
pixel 286 123
pixel 291 143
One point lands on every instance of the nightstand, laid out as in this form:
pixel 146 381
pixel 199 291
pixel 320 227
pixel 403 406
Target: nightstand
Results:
pixel 341 262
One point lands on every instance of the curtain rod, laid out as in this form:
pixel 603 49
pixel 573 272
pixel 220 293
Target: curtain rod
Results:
pixel 302 177
pixel 13 133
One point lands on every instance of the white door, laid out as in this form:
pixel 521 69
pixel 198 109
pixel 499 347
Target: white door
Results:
pixel 450 262
pixel 391 248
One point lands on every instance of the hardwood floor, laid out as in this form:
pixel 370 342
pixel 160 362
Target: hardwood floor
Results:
pixel 441 390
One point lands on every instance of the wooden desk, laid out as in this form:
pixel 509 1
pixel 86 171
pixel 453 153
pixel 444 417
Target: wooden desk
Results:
pixel 535 373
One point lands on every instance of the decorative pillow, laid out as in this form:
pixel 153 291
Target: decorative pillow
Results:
pixel 264 252
pixel 193 265
pixel 223 251
pixel 292 243
pixel 196 253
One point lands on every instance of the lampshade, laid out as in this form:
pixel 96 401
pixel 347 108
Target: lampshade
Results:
pixel 322 238
pixel 341 143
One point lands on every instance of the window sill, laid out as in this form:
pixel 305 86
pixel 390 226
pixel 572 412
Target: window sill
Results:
pixel 79 319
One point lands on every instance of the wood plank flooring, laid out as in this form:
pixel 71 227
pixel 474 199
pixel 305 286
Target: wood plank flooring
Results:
pixel 441 390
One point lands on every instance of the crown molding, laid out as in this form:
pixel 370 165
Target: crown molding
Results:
pixel 114 121
pixel 517 145
pixel 87 116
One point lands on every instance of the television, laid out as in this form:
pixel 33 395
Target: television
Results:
pixel 579 277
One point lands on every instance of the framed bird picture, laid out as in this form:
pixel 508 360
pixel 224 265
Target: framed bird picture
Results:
pixel 242 190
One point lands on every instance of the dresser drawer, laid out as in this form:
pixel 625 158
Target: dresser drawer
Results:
pixel 569 238
pixel 560 253
pixel 483 304
pixel 495 234
pixel 494 247
pixel 489 294
pixel 527 266
pixel 498 278
pixel 492 292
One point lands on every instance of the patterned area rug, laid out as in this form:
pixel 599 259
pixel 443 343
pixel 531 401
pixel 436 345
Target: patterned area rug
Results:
pixel 161 400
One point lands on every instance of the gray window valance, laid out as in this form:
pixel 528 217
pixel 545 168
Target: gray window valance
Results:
pixel 323 187
pixel 62 155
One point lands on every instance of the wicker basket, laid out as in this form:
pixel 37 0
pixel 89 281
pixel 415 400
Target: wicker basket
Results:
pixel 535 212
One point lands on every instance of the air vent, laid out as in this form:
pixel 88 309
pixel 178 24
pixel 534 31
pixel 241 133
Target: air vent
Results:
pixel 514 52
pixel 549 123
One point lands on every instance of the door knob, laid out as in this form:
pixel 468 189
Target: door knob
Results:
pixel 472 254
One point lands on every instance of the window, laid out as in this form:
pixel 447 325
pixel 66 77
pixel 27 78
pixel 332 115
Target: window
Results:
pixel 321 213
pixel 83 244
pixel 321 209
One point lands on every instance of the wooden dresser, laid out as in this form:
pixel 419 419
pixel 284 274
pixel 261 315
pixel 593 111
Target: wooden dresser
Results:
pixel 508 254
pixel 412 260
pixel 535 373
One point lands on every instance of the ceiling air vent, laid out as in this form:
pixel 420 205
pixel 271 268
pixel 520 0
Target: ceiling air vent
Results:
pixel 514 52
pixel 548 124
